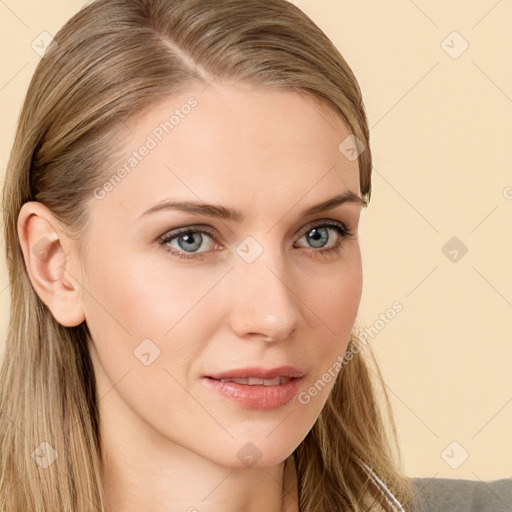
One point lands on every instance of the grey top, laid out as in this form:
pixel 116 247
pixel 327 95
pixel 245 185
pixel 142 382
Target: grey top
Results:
pixel 458 495
pixel 451 495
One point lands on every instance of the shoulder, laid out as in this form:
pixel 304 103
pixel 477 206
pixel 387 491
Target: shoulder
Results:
pixel 459 495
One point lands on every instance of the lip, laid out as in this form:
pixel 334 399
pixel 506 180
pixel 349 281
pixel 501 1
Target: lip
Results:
pixel 257 396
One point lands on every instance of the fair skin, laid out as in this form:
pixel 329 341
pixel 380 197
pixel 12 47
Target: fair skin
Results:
pixel 170 442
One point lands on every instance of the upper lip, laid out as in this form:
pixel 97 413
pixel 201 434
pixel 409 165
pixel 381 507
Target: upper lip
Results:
pixel 261 373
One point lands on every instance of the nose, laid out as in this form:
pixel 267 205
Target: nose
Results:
pixel 264 303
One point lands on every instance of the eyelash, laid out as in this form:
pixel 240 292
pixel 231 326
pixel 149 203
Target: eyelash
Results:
pixel 344 233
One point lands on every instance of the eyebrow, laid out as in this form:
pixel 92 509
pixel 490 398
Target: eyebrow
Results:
pixel 231 214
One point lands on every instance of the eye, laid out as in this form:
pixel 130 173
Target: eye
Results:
pixel 187 240
pixel 318 236
pixel 323 239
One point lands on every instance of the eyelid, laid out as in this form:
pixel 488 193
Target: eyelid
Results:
pixel 190 228
pixel 319 222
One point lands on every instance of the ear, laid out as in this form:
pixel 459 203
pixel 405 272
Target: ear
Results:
pixel 50 262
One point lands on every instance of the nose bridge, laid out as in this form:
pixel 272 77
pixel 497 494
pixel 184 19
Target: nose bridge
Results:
pixel 265 303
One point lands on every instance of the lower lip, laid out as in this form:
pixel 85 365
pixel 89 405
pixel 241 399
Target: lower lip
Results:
pixel 257 396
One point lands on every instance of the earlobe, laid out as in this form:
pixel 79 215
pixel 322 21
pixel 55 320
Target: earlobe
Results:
pixel 47 254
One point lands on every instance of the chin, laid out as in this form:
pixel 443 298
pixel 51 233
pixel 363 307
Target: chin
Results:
pixel 265 452
pixel 249 453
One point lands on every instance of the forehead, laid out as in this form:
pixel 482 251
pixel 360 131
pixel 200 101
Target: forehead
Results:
pixel 231 143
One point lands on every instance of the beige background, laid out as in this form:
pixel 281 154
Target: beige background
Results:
pixel 441 131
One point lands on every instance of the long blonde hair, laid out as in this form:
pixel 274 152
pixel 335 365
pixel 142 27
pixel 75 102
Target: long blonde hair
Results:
pixel 113 60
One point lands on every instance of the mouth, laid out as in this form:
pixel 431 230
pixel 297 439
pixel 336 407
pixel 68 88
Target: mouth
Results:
pixel 255 381
pixel 257 375
pixel 257 388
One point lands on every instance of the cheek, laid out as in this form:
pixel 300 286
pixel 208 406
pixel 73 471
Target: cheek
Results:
pixel 340 301
pixel 134 299
pixel 149 321
pixel 334 296
pixel 336 309
pixel 140 293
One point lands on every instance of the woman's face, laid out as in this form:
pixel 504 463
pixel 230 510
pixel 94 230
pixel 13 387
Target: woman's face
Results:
pixel 265 288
